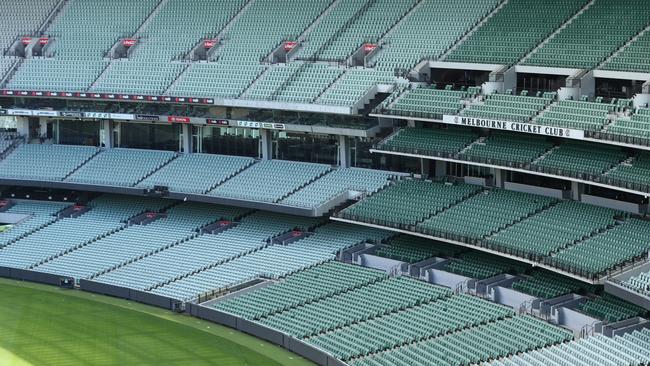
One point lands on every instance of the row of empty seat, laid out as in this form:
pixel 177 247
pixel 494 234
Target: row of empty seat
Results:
pixel 593 241
pixel 296 184
pixel 628 349
pixel 574 159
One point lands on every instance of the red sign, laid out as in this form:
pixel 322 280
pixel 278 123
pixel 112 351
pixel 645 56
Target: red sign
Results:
pixel 129 42
pixel 369 47
pixel 289 45
pixel 43 41
pixel 174 119
pixel 26 40
pixel 209 43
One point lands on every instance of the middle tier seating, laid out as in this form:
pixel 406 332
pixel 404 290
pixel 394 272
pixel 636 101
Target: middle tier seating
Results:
pixel 120 167
pixel 510 222
pixel 269 181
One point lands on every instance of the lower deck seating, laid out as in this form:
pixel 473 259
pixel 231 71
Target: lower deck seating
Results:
pixel 314 284
pixel 274 261
pixel 629 349
pixel 251 234
pixel 472 346
pixel 107 215
pixel 39 213
pixel 367 302
pixel 431 319
pixel 134 241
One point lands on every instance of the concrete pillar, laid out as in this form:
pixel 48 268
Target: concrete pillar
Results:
pixel 106 134
pixel 267 144
pixel 425 168
pixel 344 151
pixel 42 127
pixel 22 127
pixel 187 138
pixel 410 123
pixel 499 177
pixel 441 168
pixel 576 190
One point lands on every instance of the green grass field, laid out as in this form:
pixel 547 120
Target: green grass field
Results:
pixel 43 325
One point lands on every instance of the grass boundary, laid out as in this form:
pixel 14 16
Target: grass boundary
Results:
pixel 262 347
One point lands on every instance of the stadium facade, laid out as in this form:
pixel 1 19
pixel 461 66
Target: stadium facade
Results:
pixel 364 182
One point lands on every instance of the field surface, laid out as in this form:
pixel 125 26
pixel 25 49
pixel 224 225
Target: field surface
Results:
pixel 43 325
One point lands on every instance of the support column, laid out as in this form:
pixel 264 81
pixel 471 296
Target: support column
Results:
pixel 267 144
pixel 42 127
pixel 499 177
pixel 425 165
pixel 106 137
pixel 410 123
pixel 576 191
pixel 22 127
pixel 441 168
pixel 344 151
pixel 187 139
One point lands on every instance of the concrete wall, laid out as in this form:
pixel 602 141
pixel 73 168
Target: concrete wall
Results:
pixel 617 205
pixel 542 191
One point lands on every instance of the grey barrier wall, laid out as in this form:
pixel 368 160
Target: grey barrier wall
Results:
pixel 129 294
pixel 297 346
pixel 32 276
pixel 627 294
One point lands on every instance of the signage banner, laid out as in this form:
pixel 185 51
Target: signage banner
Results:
pixel 97 115
pixel 221 122
pixel 147 117
pixel 263 125
pixel 209 43
pixel 26 40
pixel 43 41
pixel 129 42
pixel 289 45
pixel 514 127
pixel 128 117
pixel 175 119
pixel 369 47
pixel 45 113
pixel 19 112
pixel 72 114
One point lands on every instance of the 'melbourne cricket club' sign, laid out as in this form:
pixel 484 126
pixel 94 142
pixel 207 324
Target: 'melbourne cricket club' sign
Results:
pixel 514 127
